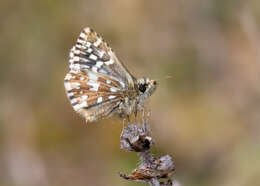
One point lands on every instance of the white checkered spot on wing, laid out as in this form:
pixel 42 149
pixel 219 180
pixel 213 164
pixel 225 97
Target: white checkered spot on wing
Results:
pixel 92 53
pixel 93 95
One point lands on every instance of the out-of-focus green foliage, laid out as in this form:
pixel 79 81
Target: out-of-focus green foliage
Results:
pixel 206 116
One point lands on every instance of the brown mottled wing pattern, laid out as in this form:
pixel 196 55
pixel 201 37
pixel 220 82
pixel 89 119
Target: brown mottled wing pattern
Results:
pixel 97 82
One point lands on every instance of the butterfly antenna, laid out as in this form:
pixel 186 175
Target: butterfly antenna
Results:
pixel 165 77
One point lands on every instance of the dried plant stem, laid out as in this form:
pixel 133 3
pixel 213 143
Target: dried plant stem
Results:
pixel 135 137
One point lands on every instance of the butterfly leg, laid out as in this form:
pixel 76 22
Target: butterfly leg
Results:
pixel 143 115
pixel 128 118
pixel 135 115
pixel 124 120
pixel 148 114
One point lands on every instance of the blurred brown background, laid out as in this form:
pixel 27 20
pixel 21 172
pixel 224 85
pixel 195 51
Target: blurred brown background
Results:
pixel 207 116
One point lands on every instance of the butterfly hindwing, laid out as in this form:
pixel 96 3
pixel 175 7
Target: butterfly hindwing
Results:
pixel 89 91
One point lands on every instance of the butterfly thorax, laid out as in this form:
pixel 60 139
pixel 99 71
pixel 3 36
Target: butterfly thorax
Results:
pixel 137 97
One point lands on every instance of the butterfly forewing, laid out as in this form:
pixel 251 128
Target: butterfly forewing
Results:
pixel 97 81
pixel 92 53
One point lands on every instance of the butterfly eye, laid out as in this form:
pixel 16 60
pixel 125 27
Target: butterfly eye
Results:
pixel 142 87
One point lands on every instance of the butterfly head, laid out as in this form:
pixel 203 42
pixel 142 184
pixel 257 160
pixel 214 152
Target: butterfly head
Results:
pixel 146 86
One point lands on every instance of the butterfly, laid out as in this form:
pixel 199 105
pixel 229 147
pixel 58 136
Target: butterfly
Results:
pixel 98 85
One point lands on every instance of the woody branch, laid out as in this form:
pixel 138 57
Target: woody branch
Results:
pixel 136 138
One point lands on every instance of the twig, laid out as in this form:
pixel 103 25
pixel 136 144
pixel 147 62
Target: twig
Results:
pixel 135 137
